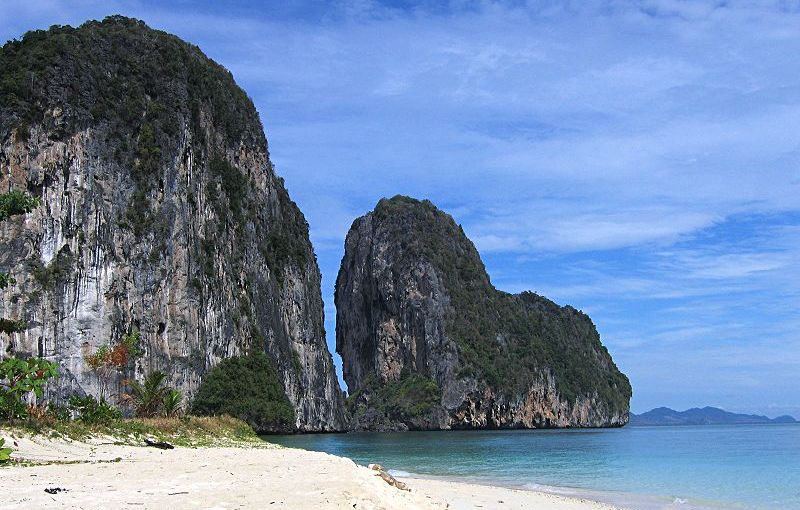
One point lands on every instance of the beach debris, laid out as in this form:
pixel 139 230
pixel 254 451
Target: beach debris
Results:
pixel 394 482
pixel 386 477
pixel 159 444
pixel 54 490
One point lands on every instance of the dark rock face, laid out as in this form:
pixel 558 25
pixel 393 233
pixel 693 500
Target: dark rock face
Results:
pixel 428 342
pixel 161 213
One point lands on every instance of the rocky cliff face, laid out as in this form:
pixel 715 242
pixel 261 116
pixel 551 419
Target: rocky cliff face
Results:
pixel 160 213
pixel 428 342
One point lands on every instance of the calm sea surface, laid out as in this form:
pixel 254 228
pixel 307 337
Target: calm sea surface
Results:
pixel 709 467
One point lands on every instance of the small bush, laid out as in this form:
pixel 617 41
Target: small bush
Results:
pixel 57 271
pixel 5 453
pixel 56 413
pixel 248 388
pixel 91 411
pixel 16 202
pixel 6 280
pixel 106 363
pixel 173 403
pixel 18 377
pixel 12 325
pixel 148 398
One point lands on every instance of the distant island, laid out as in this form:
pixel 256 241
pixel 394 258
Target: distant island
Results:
pixel 704 416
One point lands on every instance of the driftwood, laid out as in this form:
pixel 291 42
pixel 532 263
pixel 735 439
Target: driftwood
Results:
pixel 386 477
pixel 158 444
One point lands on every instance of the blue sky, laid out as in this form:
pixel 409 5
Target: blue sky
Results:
pixel 638 160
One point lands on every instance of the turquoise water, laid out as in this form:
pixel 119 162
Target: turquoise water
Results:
pixel 644 468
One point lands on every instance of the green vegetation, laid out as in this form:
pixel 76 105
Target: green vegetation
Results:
pixel 16 202
pixel 56 271
pixel 90 411
pixel 111 72
pixel 286 243
pixel 190 431
pixel 147 399
pixel 148 153
pixel 409 397
pixel 5 453
pixel 18 377
pixel 408 400
pixel 12 325
pixel 281 248
pixel 158 406
pixel 173 403
pixel 108 363
pixel 151 398
pixel 249 388
pixel 504 339
pixel 234 184
pixel 6 280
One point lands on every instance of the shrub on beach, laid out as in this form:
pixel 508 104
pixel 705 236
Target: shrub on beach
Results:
pixel 152 397
pixel 19 377
pixel 248 388
pixel 107 363
pixel 173 403
pixel 148 397
pixel 91 411
pixel 5 453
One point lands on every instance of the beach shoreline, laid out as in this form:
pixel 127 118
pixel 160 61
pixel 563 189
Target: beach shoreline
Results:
pixel 100 473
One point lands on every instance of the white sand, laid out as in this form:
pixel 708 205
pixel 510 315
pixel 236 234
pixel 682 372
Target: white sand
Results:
pixel 232 477
pixel 465 496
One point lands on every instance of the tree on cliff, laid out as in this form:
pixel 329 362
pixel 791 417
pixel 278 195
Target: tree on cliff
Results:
pixel 12 204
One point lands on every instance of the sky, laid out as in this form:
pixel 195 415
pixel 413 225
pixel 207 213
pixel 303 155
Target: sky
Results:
pixel 639 160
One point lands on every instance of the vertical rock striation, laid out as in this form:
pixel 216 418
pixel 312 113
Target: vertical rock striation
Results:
pixel 161 213
pixel 428 343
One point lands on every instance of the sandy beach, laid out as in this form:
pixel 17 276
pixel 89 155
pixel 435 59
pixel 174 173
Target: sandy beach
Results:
pixel 100 474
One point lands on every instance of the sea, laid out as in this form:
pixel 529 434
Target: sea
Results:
pixel 644 468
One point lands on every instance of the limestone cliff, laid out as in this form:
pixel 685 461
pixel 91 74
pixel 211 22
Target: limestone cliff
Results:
pixel 161 213
pixel 429 343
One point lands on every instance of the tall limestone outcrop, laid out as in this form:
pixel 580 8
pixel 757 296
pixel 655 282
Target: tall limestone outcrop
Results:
pixel 160 213
pixel 429 343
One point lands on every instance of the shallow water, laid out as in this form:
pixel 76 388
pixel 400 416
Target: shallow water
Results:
pixel 644 468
